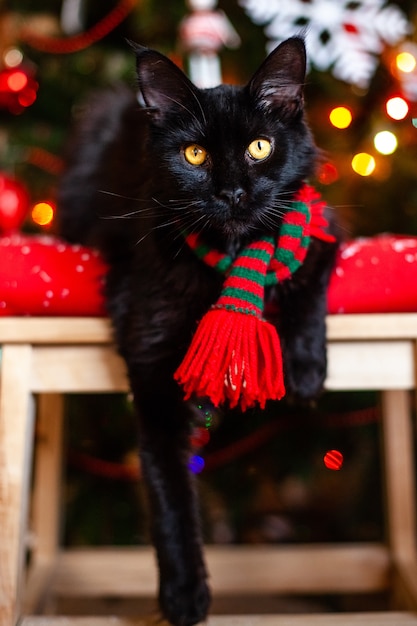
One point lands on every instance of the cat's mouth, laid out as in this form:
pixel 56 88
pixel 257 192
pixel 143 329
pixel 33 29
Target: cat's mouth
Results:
pixel 231 215
pixel 244 224
pixel 241 217
pixel 235 227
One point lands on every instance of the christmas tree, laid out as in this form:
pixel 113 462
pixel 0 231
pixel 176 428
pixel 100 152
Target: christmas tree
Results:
pixel 361 100
pixel 361 89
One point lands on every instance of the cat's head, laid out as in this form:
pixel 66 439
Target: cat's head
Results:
pixel 233 155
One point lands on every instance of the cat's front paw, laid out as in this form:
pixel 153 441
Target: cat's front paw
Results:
pixel 185 604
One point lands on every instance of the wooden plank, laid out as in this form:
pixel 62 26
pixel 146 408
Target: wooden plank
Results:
pixel 405 583
pixel 372 326
pixel 79 369
pixel 37 586
pixel 399 473
pixel 46 503
pixel 16 435
pixel 351 366
pixel 92 621
pixel 55 330
pixel 232 569
pixel 351 619
pixel 356 365
pixel 39 330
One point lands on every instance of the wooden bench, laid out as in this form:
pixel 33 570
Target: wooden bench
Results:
pixel 44 358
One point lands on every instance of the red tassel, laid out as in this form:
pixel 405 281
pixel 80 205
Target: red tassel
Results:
pixel 233 357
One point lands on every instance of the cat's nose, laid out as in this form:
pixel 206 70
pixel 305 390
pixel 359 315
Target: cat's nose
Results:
pixel 234 197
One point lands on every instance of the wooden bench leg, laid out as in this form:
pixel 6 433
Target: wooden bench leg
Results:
pixel 16 440
pixel 45 518
pixel 400 492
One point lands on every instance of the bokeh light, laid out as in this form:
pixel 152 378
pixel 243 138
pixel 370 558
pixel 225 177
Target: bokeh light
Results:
pixel 363 164
pixel 43 213
pixel 196 464
pixel 333 460
pixel 340 117
pixel 405 62
pixel 327 174
pixel 385 142
pixel 12 57
pixel 16 81
pixel 397 108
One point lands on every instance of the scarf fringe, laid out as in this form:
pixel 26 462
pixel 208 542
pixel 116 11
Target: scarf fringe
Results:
pixel 233 357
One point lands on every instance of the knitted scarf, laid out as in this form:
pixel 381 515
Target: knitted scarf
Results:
pixel 235 354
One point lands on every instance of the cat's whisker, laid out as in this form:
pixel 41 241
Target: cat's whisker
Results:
pixel 139 241
pixel 145 212
pixel 119 195
pixel 133 214
pixel 275 212
pixel 180 104
pixel 277 209
pixel 267 221
pixel 182 205
pixel 186 224
pixel 200 106
pixel 181 222
pixel 173 222
pixel 166 224
pixel 191 229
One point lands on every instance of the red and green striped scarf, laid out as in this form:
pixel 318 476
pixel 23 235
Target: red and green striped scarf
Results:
pixel 235 354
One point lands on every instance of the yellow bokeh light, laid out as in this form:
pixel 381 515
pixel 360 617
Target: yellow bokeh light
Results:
pixel 385 142
pixel 397 108
pixel 363 164
pixel 405 62
pixel 43 213
pixel 340 117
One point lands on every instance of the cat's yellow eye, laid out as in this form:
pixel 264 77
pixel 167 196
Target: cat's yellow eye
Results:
pixel 195 154
pixel 260 149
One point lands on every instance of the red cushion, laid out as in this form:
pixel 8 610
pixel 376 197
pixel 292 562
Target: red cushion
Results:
pixel 44 276
pixel 375 275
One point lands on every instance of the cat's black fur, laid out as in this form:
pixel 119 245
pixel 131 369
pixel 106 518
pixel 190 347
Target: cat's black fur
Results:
pixel 130 191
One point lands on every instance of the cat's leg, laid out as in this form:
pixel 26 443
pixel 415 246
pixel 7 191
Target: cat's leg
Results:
pixel 302 323
pixel 305 355
pixel 175 526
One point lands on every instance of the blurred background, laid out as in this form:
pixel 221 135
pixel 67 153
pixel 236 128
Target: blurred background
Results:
pixel 283 475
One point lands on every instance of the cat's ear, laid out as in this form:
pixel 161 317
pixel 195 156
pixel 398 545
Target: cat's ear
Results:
pixel 279 81
pixel 162 84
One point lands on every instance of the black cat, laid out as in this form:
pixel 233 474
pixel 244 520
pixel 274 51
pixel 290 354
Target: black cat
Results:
pixel 224 163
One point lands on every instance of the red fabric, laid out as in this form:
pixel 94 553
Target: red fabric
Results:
pixel 375 275
pixel 43 276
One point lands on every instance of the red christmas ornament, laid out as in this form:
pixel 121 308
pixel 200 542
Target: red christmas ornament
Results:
pixel 18 89
pixel 333 460
pixel 14 204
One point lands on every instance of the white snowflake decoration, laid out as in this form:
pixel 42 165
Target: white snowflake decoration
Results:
pixel 344 36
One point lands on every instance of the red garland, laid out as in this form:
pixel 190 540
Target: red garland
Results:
pixel 56 45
